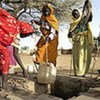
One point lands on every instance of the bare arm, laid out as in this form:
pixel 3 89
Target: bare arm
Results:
pixel 88 8
pixel 36 22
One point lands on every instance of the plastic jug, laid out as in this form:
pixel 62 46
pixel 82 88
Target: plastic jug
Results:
pixel 46 73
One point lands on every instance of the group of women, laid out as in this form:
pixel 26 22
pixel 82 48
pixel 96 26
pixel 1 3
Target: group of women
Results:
pixel 79 32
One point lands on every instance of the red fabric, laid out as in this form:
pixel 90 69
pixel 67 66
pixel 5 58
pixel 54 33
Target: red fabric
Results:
pixel 25 28
pixel 10 27
pixel 4 59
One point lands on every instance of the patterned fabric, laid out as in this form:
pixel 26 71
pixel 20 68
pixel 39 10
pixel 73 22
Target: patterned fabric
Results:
pixel 25 28
pixel 9 28
pixel 82 26
pixel 81 29
pixel 4 59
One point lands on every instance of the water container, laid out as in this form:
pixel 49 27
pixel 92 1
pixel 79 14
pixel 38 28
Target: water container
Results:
pixel 11 69
pixel 32 68
pixel 46 73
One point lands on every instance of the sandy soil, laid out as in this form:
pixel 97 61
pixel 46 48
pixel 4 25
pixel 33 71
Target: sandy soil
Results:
pixel 64 63
pixel 24 85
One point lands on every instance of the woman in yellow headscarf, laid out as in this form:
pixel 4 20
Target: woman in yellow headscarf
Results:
pixel 82 43
pixel 49 28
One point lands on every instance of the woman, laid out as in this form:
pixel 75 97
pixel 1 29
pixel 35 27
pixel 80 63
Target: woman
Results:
pixel 49 29
pixel 14 56
pixel 82 43
pixel 9 28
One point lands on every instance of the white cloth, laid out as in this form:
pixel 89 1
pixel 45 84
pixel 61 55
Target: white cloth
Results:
pixel 52 30
pixel 52 34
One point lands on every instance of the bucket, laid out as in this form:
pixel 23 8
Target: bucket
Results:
pixel 11 70
pixel 32 69
pixel 46 73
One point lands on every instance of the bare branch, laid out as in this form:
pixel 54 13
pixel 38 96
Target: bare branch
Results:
pixel 62 8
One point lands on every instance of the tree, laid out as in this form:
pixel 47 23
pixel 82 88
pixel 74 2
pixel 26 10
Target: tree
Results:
pixel 62 8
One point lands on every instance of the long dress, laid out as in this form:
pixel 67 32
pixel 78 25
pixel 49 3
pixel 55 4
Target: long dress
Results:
pixel 12 58
pixel 82 48
pixel 52 45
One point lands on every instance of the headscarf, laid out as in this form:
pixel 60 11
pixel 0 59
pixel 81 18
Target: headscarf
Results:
pixel 89 32
pixel 75 21
pixel 51 19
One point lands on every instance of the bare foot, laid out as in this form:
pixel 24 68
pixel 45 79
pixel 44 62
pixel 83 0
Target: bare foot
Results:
pixel 25 74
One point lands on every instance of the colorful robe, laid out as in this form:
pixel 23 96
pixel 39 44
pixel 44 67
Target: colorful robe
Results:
pixel 82 48
pixel 52 45
pixel 9 28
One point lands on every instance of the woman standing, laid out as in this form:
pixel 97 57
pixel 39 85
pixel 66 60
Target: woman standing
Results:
pixel 49 29
pixel 9 28
pixel 81 35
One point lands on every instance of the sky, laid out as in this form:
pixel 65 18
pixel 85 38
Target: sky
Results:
pixel 95 24
pixel 64 42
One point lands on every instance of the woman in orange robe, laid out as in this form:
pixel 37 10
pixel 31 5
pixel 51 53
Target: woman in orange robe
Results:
pixel 49 28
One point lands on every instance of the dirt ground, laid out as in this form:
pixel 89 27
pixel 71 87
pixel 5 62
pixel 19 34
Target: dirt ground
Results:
pixel 22 87
pixel 64 63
